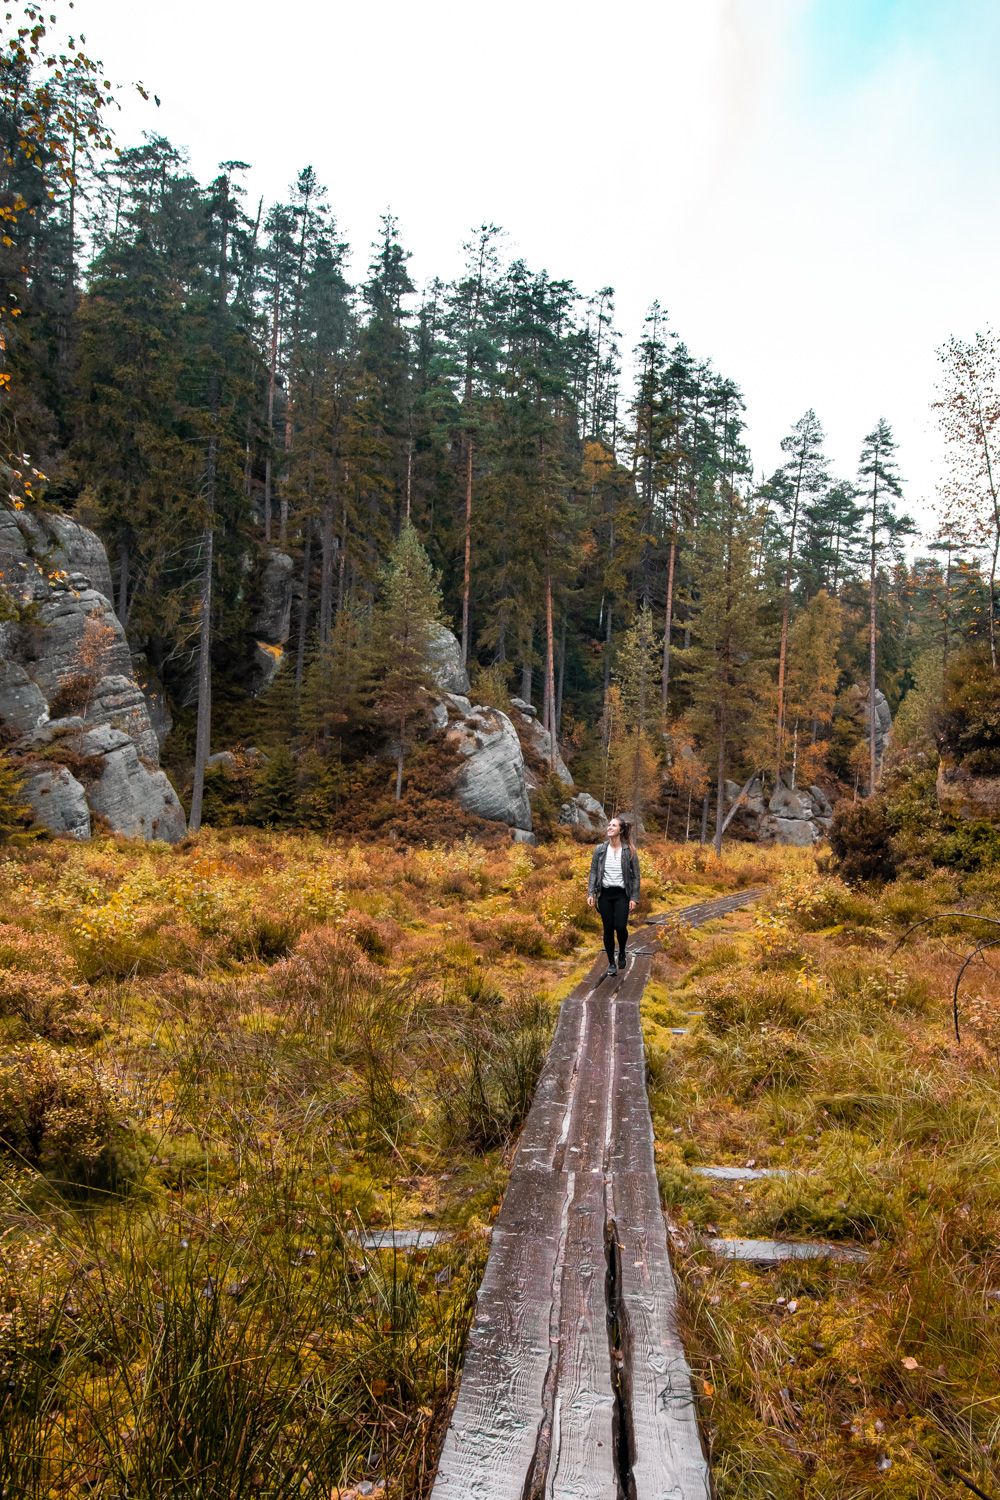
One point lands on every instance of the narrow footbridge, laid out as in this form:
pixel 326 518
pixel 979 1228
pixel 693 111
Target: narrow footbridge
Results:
pixel 575 1381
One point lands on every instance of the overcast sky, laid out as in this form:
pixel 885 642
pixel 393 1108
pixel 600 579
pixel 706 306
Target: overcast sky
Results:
pixel 808 186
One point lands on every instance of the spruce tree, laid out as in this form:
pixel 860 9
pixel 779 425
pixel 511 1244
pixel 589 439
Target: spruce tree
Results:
pixel 276 804
pixel 405 616
pixel 880 479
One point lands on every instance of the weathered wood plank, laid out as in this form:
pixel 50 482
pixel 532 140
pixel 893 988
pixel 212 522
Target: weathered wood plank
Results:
pixel 491 1439
pixel 543 1393
pixel 582 1463
pixel 668 1463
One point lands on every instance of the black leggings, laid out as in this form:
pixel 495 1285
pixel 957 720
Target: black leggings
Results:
pixel 612 904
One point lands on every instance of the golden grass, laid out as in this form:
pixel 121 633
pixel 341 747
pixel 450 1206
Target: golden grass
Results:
pixel 824 1054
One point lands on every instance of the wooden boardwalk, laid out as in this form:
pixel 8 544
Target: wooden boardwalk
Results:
pixel 575 1381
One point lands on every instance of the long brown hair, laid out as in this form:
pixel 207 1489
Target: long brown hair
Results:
pixel 625 830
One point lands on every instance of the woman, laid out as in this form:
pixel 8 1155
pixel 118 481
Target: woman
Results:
pixel 614 886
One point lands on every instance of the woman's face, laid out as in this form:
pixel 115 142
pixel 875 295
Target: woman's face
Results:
pixel 614 828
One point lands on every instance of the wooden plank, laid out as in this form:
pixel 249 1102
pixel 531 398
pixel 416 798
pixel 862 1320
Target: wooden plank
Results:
pixel 542 1393
pixel 583 1146
pixel 491 1438
pixel 668 1462
pixel 582 1463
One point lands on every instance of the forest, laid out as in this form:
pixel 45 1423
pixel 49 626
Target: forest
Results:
pixel 197 378
pixel 271 1050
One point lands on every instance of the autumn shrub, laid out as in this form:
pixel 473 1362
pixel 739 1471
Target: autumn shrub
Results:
pixel 516 932
pixel 861 838
pixel 375 937
pixel 73 696
pixel 14 810
pixel 972 847
pixel 967 726
pixel 62 1120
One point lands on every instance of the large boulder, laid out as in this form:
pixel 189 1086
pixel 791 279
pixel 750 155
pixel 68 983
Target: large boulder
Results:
pixel 586 815
pixel 136 799
pixel 22 702
pixel 786 803
pixel 491 783
pixel 70 658
pixel 58 801
pixel 445 662
pixel 797 833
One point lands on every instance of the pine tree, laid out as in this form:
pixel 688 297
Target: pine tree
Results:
pixel 813 673
pixel 276 804
pixel 724 666
pixel 805 477
pixel 878 473
pixel 406 614
pixel 634 760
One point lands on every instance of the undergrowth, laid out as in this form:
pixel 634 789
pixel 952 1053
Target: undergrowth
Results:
pixel 822 1051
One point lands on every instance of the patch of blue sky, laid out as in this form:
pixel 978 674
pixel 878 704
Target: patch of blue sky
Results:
pixel 843 45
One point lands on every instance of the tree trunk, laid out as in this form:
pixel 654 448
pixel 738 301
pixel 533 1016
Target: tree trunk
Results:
pixel 871 653
pixel 704 818
pixel 270 412
pixel 783 650
pixel 526 681
pixel 326 544
pixel 203 731
pixel 409 474
pixel 720 781
pixel 550 676
pixel 399 761
pixel 300 655
pixel 669 615
pixel 467 576
pixel 562 676
pixel 343 547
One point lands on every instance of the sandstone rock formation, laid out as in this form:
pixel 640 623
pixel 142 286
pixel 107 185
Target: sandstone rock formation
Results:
pixel 273 621
pixel 446 662
pixel 58 800
pixel 69 653
pixel 539 742
pixel 584 813
pixel 796 817
pixel 883 723
pixel 966 797
pixel 491 783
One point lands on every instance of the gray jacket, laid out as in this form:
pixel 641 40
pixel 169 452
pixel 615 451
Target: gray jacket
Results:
pixel 630 871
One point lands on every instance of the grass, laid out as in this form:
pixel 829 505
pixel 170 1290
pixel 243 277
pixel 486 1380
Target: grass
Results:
pixel 222 1065
pixel 823 1054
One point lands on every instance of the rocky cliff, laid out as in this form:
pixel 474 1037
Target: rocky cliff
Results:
pixel 71 706
pixel 496 779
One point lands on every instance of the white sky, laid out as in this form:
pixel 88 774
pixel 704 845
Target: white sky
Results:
pixel 808 186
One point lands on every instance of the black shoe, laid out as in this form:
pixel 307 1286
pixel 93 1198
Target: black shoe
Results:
pixel 622 963
pixel 612 972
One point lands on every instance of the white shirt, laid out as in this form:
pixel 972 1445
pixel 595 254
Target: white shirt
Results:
pixel 613 867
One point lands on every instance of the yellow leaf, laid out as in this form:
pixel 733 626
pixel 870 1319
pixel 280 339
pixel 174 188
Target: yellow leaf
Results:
pixel 708 1387
pixel 909 1363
